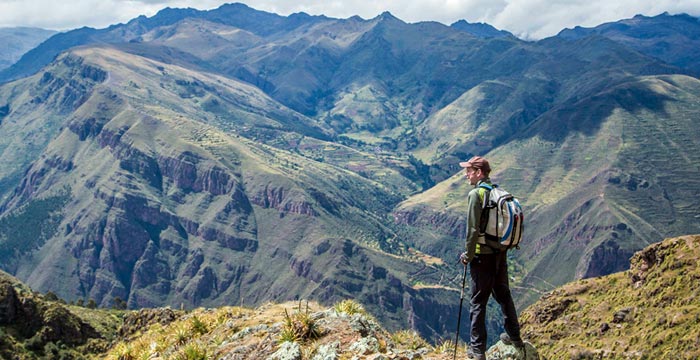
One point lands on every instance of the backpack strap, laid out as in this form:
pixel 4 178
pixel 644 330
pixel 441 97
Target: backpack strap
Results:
pixel 484 220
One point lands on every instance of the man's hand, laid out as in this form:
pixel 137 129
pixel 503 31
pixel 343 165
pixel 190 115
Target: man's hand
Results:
pixel 463 258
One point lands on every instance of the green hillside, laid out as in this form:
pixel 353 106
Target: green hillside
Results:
pixel 596 183
pixel 647 312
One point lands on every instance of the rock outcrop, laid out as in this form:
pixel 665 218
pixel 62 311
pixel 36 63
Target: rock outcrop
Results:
pixel 37 322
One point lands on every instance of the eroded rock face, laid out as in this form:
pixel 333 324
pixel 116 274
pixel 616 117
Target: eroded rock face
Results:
pixel 606 259
pixel 156 218
pixel 43 321
pixel 278 198
pixel 9 304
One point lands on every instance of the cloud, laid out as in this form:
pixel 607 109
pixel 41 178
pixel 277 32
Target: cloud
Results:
pixel 529 19
pixel 536 19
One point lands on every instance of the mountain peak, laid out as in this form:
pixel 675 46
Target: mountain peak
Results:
pixel 481 30
pixel 387 16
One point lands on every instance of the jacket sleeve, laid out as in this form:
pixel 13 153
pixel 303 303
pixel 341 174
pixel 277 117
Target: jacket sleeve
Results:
pixel 473 219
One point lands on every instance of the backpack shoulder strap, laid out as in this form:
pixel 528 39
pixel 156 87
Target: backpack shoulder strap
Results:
pixel 487 186
pixel 483 221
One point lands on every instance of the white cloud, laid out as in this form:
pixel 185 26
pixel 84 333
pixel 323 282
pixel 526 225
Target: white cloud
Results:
pixel 533 19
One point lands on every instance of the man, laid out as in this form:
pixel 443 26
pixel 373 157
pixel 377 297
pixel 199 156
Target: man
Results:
pixel 488 266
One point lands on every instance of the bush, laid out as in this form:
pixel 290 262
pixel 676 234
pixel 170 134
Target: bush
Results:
pixel 409 339
pixel 192 351
pixel 349 307
pixel 198 327
pixel 299 327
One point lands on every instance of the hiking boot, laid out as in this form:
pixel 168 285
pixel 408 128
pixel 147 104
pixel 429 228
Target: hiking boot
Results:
pixel 473 354
pixel 505 338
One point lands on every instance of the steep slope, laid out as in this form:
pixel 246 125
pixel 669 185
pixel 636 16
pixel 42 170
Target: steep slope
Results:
pixel 36 326
pixel 649 311
pixel 612 189
pixel 550 74
pixel 142 194
pixel 595 183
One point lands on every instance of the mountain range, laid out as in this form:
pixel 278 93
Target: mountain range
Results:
pixel 17 41
pixel 234 156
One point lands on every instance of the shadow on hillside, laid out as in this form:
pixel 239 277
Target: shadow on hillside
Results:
pixel 587 115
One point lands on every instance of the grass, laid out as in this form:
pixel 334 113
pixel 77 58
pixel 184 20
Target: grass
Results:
pixel 299 327
pixel 349 307
pixel 409 339
pixel 650 311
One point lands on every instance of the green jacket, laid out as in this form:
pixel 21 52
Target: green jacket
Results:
pixel 475 199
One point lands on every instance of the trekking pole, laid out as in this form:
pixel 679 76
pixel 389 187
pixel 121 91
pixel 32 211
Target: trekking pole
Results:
pixel 459 317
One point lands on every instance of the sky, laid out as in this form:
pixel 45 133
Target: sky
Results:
pixel 527 19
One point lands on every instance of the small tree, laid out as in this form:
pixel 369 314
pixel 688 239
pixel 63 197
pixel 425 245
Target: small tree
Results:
pixel 118 303
pixel 91 304
pixel 51 296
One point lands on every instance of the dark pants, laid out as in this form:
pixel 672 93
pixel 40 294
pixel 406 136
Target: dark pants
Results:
pixel 489 275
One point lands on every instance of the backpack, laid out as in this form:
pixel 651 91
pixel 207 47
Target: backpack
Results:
pixel 501 218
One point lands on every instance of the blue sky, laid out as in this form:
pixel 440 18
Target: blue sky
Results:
pixel 528 19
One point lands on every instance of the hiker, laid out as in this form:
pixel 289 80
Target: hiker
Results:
pixel 488 266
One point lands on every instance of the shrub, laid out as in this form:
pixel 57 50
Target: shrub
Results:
pixel 124 351
pixel 193 351
pixel 198 327
pixel 181 335
pixel 299 327
pixel 409 339
pixel 444 347
pixel 349 307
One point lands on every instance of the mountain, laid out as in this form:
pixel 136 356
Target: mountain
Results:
pixel 480 29
pixel 144 183
pixel 232 156
pixel 648 311
pixel 588 181
pixel 671 38
pixel 18 40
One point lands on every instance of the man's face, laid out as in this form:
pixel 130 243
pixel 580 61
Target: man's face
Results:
pixel 473 175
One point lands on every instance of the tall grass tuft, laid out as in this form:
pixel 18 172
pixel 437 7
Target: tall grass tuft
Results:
pixel 349 307
pixel 409 339
pixel 299 327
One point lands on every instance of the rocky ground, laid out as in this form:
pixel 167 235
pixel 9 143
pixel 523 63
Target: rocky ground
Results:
pixel 38 326
pixel 283 331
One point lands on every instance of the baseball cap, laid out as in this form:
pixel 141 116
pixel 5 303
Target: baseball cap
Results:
pixel 477 162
